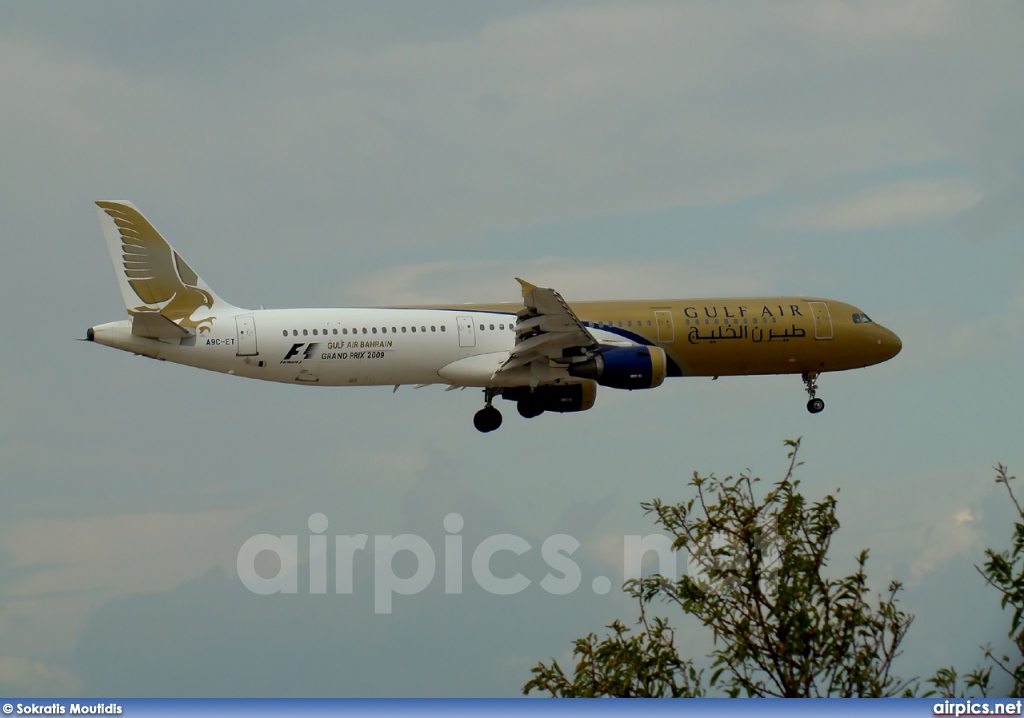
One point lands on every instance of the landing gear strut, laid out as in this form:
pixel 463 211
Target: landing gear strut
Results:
pixel 814 405
pixel 487 419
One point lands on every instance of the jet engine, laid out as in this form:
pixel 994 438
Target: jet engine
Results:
pixel 562 398
pixel 624 367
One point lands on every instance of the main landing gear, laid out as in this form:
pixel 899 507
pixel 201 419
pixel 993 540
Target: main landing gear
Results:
pixel 487 419
pixel 814 405
pixel 529 404
pixel 529 407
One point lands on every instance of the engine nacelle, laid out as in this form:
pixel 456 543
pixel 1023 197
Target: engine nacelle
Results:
pixel 624 367
pixel 562 398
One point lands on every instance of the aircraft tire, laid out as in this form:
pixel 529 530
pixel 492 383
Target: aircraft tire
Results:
pixel 487 419
pixel 529 409
pixel 815 406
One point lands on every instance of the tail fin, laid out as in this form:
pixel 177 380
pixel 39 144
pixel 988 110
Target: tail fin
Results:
pixel 152 276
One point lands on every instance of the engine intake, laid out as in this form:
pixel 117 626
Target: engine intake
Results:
pixel 624 367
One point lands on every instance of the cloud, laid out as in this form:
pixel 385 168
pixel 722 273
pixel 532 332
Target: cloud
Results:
pixel 26 676
pixel 58 570
pixel 1000 169
pixel 543 116
pixel 119 554
pixel 574 278
pixel 959 338
pixel 953 535
pixel 889 205
pixel 872 22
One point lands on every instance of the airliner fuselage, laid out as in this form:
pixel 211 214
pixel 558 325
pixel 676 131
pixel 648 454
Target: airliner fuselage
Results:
pixel 387 346
pixel 546 354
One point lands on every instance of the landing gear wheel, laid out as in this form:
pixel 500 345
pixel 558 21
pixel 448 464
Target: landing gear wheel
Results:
pixel 814 405
pixel 529 409
pixel 487 419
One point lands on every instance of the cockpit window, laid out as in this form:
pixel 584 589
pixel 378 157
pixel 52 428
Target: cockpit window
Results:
pixel 861 319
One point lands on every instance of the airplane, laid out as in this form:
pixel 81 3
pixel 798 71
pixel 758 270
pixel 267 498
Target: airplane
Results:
pixel 545 354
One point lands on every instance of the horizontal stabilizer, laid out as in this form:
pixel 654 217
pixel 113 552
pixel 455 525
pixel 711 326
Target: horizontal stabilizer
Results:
pixel 154 325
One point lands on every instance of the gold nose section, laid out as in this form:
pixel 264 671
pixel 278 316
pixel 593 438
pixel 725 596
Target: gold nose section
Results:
pixel 889 343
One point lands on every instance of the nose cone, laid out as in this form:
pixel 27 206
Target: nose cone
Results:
pixel 889 344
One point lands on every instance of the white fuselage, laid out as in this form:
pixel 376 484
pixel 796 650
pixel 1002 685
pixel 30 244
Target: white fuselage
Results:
pixel 339 347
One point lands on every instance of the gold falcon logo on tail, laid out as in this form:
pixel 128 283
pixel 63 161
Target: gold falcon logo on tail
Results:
pixel 154 271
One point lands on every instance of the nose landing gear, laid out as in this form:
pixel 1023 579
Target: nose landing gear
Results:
pixel 814 405
pixel 487 419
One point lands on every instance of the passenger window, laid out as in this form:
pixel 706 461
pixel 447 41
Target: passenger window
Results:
pixel 442 327
pixel 334 331
pixel 433 328
pixel 325 332
pixel 629 323
pixel 648 322
pixel 403 330
pixel 414 330
pixel 305 332
pixel 295 332
pixel 501 327
pixel 383 330
pixel 284 333
pixel 423 329
pixel 481 327
pixel 344 331
pixel 364 330
pixel 314 332
pixel 373 329
pixel 394 331
pixel 492 327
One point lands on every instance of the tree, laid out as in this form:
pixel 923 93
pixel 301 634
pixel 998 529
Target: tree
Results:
pixel 643 665
pixel 1004 571
pixel 780 627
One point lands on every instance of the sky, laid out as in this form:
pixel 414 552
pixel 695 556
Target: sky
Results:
pixel 352 154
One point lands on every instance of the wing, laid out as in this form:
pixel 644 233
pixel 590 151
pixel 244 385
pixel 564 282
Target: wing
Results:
pixel 545 329
pixel 155 271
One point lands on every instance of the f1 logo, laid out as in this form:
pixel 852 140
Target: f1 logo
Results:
pixel 296 348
